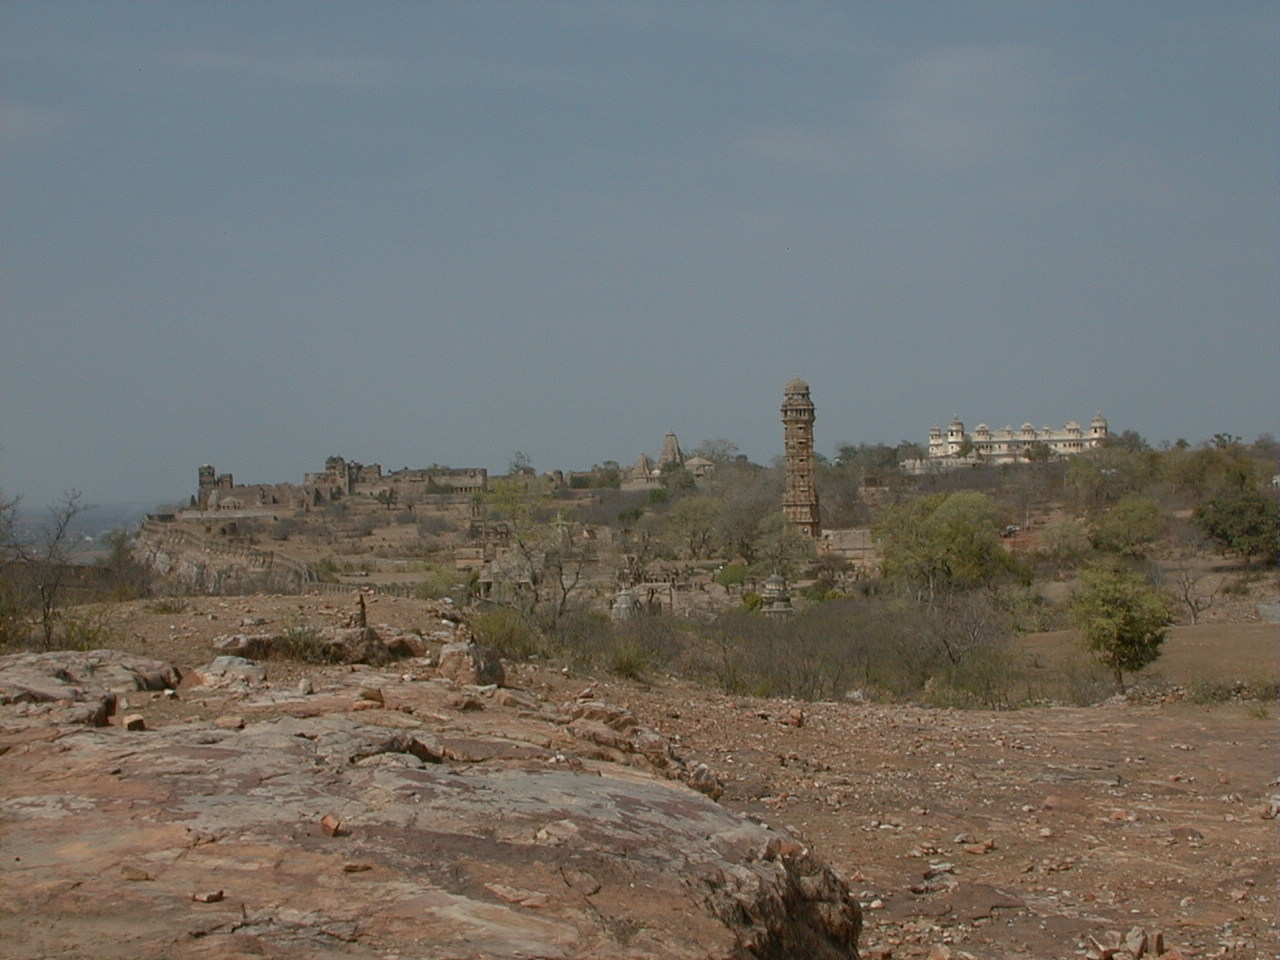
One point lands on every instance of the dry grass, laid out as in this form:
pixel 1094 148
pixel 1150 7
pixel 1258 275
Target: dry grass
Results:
pixel 1210 653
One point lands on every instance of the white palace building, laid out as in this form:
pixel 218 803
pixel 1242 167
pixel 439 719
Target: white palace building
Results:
pixel 956 448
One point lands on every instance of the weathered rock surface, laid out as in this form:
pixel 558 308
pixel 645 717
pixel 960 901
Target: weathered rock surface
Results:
pixel 74 687
pixel 229 671
pixel 504 832
pixel 336 645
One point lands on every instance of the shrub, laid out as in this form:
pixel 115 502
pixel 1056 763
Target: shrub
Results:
pixel 1204 691
pixel 440 581
pixel 434 524
pixel 305 642
pixel 89 628
pixel 985 678
pixel 504 629
pixel 732 575
pixel 1030 612
pixel 326 570
pixel 167 605
pixel 627 659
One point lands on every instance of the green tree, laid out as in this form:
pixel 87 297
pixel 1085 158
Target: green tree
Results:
pixel 1038 452
pixel 1128 527
pixel 1122 619
pixel 1243 521
pixel 942 541
pixel 869 462
pixel 676 479
pixel 1098 478
pixel 1211 470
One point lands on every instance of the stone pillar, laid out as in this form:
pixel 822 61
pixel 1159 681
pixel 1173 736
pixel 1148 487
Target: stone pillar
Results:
pixel 800 502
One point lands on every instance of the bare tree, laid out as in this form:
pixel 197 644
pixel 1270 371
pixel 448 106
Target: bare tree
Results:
pixel 12 606
pixel 1185 588
pixel 41 562
pixel 544 547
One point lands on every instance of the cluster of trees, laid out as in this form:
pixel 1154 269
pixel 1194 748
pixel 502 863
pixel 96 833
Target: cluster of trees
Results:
pixel 951 592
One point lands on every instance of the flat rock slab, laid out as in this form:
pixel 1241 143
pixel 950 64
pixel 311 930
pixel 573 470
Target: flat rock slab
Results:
pixel 207 842
pixel 39 689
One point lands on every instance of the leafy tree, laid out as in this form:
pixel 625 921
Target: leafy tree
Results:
pixel 609 474
pixel 676 479
pixel 1132 441
pixel 1129 526
pixel 1121 618
pixel 1098 478
pixel 1213 469
pixel 520 464
pixel 870 462
pixel 942 541
pixel 1243 521
pixel 1038 452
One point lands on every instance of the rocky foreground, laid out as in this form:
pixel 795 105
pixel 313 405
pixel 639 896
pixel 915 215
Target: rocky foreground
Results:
pixel 440 805
pixel 367 813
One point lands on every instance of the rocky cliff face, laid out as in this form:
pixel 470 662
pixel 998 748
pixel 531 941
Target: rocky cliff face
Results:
pixel 199 564
pixel 385 814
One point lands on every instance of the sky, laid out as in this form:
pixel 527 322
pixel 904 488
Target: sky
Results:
pixel 260 234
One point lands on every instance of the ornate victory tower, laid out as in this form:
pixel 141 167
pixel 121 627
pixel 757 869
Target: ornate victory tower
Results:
pixel 800 502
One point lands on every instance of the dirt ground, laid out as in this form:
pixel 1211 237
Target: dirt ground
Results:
pixel 1012 835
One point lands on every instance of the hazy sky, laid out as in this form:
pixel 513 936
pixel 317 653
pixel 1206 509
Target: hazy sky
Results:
pixel 257 234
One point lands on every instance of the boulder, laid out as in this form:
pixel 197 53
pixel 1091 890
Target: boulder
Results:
pixel 231 671
pixel 252 645
pixel 357 645
pixel 403 645
pixel 471 664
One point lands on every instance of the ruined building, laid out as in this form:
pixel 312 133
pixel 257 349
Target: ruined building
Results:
pixel 340 478
pixel 347 477
pixel 800 502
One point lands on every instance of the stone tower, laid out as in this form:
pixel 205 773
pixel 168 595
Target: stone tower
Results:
pixel 800 502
